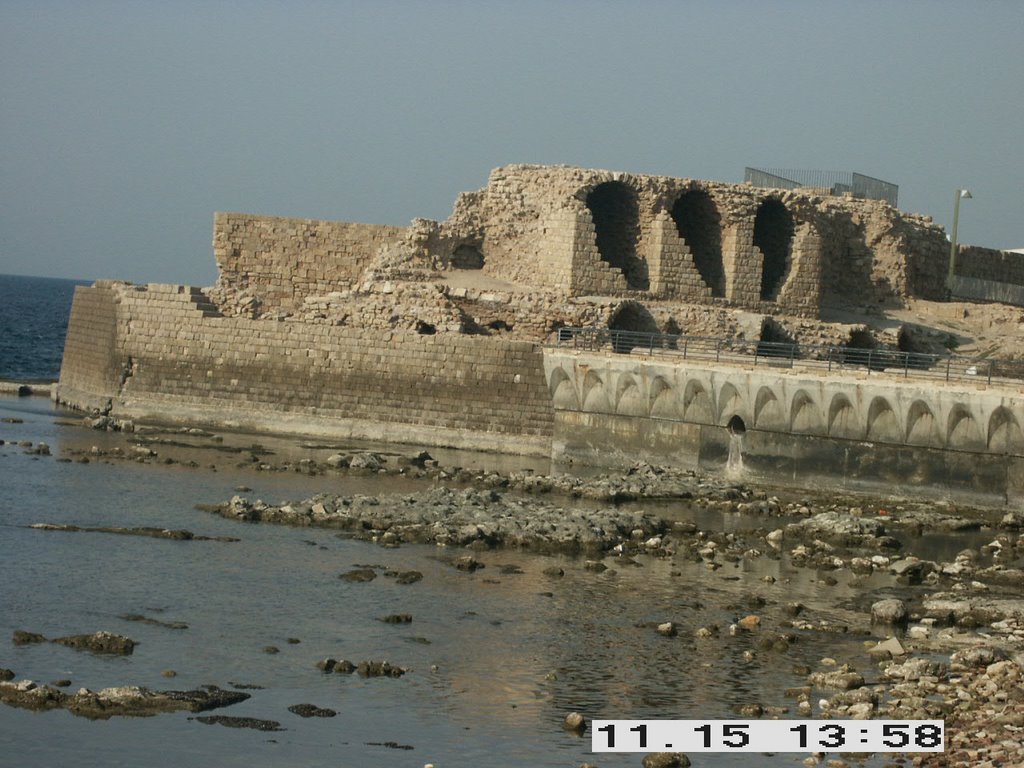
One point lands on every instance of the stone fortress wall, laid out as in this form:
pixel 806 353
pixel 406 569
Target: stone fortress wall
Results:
pixel 432 333
pixel 161 353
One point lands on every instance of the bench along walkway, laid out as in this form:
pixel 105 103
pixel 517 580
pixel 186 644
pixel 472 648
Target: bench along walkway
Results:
pixel 884 362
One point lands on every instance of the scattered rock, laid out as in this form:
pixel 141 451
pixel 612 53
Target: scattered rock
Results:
pixel 99 642
pixel 574 722
pixel 379 669
pixel 239 722
pixel 666 760
pixel 359 575
pixel 889 611
pixel 343 666
pixel 309 710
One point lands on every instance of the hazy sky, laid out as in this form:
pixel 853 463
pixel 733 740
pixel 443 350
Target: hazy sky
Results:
pixel 125 125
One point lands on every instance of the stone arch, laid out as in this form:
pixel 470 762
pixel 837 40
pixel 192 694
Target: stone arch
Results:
pixel 883 423
pixel 595 399
pixel 767 410
pixel 922 426
pixel 842 418
pixel 804 414
pixel 467 256
pixel 628 399
pixel 615 211
pixel 697 405
pixel 699 224
pixel 730 402
pixel 662 399
pixel 1004 432
pixel 630 316
pixel 563 392
pixel 773 236
pixel 962 429
pixel 775 340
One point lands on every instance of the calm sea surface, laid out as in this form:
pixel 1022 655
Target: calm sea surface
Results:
pixel 496 660
pixel 33 322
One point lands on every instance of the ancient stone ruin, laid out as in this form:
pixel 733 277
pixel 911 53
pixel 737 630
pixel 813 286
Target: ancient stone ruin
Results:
pixel 441 333
pixel 540 247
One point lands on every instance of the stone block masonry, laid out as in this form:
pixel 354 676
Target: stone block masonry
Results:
pixel 281 261
pixel 161 358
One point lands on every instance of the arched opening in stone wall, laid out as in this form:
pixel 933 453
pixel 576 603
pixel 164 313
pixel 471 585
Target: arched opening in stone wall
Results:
pixel 467 256
pixel 775 340
pixel 633 320
pixel 616 213
pixel 773 235
pixel 700 225
pixel 736 426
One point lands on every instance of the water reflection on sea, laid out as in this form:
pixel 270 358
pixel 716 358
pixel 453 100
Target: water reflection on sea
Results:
pixel 497 659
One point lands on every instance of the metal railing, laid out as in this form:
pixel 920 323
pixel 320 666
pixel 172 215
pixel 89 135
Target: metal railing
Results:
pixel 839 182
pixel 782 355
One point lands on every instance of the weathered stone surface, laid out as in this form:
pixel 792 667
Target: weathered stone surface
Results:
pixel 890 611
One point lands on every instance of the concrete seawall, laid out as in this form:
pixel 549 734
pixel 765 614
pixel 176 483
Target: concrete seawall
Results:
pixel 787 425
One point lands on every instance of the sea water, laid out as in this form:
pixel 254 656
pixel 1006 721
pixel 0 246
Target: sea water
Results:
pixel 33 323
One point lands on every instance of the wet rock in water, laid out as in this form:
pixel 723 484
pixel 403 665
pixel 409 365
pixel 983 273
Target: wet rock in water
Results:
pixel 396 618
pixel 21 637
pixel 914 669
pixel 574 722
pixel 379 669
pixel 366 461
pixel 408 577
pixel 343 666
pixel 668 629
pixel 125 701
pixel 750 710
pixel 553 571
pixel 1012 520
pixel 62 683
pixel 749 622
pixel 271 649
pixel 979 656
pixel 239 722
pixel 99 642
pixel 510 570
pixel 844 678
pixel 467 563
pixel 839 528
pixel 359 575
pixel 153 622
pixel 151 532
pixel 887 649
pixel 6 674
pixel 666 760
pixel 309 710
pixel 594 565
pixel 891 611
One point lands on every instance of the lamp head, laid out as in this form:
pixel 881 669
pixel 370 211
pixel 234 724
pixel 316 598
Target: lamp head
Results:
pixel 966 194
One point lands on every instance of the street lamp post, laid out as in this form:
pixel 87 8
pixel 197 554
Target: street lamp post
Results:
pixel 960 194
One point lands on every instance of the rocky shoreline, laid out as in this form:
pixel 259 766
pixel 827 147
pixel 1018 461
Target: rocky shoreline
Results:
pixel 954 645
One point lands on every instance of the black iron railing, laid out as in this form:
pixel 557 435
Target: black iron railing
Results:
pixel 769 353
